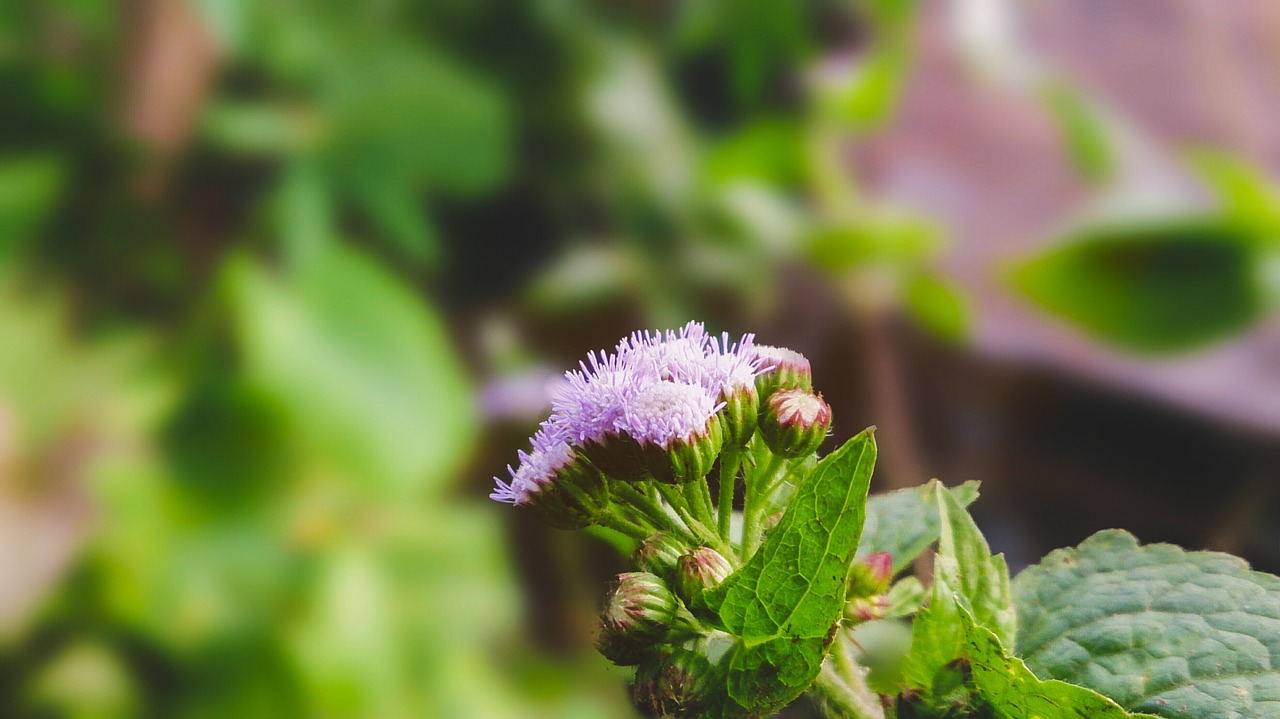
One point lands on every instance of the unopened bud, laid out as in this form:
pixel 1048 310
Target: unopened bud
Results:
pixel 783 369
pixel 660 554
pixel 686 460
pixel 871 575
pixel 740 415
pixel 677 685
pixel 700 570
pixel 864 609
pixel 639 608
pixel 794 423
pixel 574 498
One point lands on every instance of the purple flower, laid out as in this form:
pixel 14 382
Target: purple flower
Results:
pixel 663 413
pixel 536 471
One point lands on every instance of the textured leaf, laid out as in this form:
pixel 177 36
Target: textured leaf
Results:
pixel 786 602
pixel 1187 635
pixel 1012 692
pixel 966 578
pixel 905 522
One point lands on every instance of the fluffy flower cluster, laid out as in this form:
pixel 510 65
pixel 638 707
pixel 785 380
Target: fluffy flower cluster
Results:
pixel 658 389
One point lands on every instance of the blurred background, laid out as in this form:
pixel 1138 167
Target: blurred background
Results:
pixel 284 284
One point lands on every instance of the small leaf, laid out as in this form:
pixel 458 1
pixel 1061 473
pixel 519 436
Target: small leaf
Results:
pixel 1010 689
pixel 1150 287
pixel 1186 635
pixel 966 578
pixel 1083 131
pixel 939 306
pixel 786 602
pixel 905 522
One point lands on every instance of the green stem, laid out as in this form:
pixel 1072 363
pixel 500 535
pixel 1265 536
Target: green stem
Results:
pixel 702 534
pixel 623 525
pixel 729 462
pixel 840 690
pixel 753 508
pixel 652 510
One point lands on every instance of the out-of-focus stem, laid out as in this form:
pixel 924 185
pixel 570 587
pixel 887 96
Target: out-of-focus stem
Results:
pixel 840 690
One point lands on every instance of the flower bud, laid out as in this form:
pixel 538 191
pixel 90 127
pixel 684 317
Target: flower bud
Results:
pixel 864 609
pixel 677 685
pixel 639 608
pixel 739 415
pixel 660 554
pixel 623 650
pixel 871 575
pixel 781 369
pixel 685 460
pixel 794 423
pixel 700 570
pixel 574 498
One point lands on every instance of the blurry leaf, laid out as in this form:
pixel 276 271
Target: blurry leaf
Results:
pixel 886 237
pixel 1150 287
pixel 363 366
pixel 906 521
pixel 1247 194
pixel 939 306
pixel 305 213
pixel 406 115
pixel 585 276
pixel 84 680
pixel 865 95
pixel 29 188
pixel 1083 131
pixel 1182 634
pixel 257 129
pixel 785 603
pixel 402 221
pixel 767 150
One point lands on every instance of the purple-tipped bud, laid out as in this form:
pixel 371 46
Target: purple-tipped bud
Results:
pixel 865 609
pixel 701 570
pixel 565 491
pixel 781 369
pixel 640 608
pixel 660 554
pixel 871 575
pixel 794 423
pixel 677 685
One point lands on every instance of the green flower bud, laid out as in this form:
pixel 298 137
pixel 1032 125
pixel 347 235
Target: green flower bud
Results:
pixel 639 608
pixel 623 650
pixel 739 415
pixel 686 461
pixel 700 570
pixel 794 423
pixel 786 369
pixel 871 575
pixel 574 498
pixel 676 685
pixel 660 554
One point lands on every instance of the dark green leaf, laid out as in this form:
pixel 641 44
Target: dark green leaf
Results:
pixel 1187 635
pixel 1154 287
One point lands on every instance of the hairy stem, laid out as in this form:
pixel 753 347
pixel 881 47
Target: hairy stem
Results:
pixel 729 462
pixel 754 504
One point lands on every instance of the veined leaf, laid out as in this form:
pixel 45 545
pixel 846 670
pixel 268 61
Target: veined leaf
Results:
pixel 785 604
pixel 904 522
pixel 1186 635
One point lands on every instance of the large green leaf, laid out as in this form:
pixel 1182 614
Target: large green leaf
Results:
pixel 1005 685
pixel 786 602
pixel 363 366
pixel 1187 635
pixel 966 578
pixel 1151 287
pixel 905 522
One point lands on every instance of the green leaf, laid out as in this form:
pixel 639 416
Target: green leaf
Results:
pixel 363 367
pixel 1150 287
pixel 29 189
pixel 1083 131
pixel 968 578
pixel 905 522
pixel 1010 689
pixel 1186 635
pixel 787 601
pixel 939 306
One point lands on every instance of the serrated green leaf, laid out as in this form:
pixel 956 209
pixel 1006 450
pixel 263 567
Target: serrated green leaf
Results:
pixel 786 602
pixel 905 522
pixel 1012 692
pixel 1186 635
pixel 966 578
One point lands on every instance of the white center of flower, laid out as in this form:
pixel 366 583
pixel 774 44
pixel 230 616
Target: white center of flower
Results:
pixel 664 412
pixel 801 407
